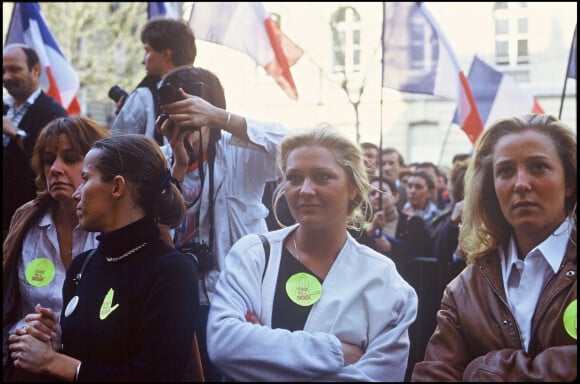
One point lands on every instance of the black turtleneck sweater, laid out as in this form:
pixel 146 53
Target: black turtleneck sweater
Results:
pixel 135 318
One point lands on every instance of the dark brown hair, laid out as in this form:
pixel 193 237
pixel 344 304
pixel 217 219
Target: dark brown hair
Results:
pixel 140 161
pixel 174 34
pixel 82 133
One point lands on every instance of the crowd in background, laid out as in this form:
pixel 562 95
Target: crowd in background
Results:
pixel 365 263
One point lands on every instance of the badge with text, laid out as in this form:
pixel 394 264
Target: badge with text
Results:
pixel 107 308
pixel 303 289
pixel 40 272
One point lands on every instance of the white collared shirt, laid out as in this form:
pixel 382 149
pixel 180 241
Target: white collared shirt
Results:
pixel 525 279
pixel 16 115
pixel 41 272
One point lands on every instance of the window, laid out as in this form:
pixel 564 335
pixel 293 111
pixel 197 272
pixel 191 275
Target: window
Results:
pixel 346 38
pixel 423 51
pixel 511 33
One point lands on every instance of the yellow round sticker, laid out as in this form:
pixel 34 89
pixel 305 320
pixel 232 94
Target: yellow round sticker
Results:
pixel 571 319
pixel 303 289
pixel 40 272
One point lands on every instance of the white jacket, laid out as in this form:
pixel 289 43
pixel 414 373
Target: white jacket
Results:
pixel 241 170
pixel 364 302
pixel 137 114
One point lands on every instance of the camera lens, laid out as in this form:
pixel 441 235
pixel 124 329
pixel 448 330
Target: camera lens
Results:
pixel 167 94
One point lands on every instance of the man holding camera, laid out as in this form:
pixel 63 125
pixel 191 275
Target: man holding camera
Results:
pixel 168 43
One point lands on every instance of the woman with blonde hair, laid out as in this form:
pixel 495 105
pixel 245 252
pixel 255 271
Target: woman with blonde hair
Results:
pixel 511 315
pixel 310 303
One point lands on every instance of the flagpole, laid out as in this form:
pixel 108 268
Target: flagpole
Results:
pixel 380 163
pixel 563 95
pixel 444 144
pixel 570 58
pixel 192 7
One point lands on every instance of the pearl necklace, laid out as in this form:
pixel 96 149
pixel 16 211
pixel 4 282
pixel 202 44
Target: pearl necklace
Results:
pixel 129 252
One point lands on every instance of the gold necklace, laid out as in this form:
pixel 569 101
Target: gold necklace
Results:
pixel 129 252
pixel 296 248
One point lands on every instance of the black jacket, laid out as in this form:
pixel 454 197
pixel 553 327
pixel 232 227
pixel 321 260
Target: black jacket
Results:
pixel 17 176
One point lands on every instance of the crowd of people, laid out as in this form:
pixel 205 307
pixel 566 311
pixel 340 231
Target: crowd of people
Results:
pixel 189 243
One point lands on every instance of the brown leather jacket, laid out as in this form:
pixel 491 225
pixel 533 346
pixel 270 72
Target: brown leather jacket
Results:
pixel 477 337
pixel 12 246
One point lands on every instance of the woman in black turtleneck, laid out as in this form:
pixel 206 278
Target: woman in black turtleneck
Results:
pixel 130 311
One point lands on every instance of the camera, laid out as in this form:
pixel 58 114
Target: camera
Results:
pixel 202 254
pixel 169 93
pixel 116 92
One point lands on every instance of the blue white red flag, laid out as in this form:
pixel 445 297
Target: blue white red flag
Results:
pixel 571 72
pixel 248 28
pixel 497 94
pixel 161 8
pixel 58 78
pixel 417 58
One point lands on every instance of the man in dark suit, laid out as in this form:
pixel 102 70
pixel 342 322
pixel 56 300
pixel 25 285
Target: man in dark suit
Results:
pixel 26 112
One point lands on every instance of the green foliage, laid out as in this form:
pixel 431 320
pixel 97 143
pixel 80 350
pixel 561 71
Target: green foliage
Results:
pixel 102 42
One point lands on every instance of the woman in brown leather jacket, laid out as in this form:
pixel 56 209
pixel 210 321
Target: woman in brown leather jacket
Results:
pixel 44 235
pixel 511 314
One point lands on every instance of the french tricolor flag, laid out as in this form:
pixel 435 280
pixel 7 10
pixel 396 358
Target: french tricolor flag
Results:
pixel 248 28
pixel 417 58
pixel 571 71
pixel 161 8
pixel 497 94
pixel 59 79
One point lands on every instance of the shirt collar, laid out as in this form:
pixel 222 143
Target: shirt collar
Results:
pixel 31 99
pixel 552 249
pixel 33 96
pixel 46 220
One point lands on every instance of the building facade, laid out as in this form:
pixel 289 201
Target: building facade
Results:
pixel 342 69
pixel 529 41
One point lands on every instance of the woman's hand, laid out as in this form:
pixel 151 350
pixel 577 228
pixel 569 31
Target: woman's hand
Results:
pixel 193 111
pixel 176 138
pixel 352 353
pixel 378 220
pixel 455 217
pixel 382 244
pixel 29 352
pixel 376 223
pixel 43 324
pixel 38 356
pixel 252 318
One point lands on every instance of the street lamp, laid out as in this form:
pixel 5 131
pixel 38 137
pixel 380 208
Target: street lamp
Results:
pixel 353 86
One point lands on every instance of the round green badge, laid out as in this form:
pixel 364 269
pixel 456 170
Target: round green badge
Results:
pixel 571 319
pixel 40 272
pixel 303 289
